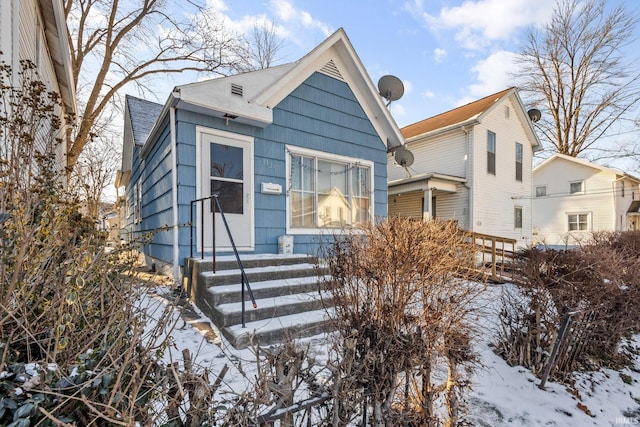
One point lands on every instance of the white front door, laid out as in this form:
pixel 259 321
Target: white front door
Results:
pixel 225 163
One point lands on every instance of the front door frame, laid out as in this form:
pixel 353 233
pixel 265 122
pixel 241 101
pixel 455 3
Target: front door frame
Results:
pixel 247 144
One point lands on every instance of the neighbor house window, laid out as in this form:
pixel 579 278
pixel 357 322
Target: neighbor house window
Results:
pixel 578 222
pixel 576 187
pixel 518 161
pixel 517 217
pixel 328 192
pixel 541 191
pixel 491 152
pixel 622 188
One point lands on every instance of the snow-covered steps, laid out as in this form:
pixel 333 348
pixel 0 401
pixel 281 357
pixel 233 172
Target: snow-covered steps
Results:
pixel 271 330
pixel 286 289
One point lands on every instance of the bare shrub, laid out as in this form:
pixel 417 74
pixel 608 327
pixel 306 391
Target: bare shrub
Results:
pixel 75 348
pixel 287 388
pixel 596 286
pixel 402 311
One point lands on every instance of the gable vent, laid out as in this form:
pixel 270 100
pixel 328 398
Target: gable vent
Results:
pixel 331 70
pixel 236 89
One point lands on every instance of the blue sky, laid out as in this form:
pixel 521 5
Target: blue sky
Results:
pixel 446 52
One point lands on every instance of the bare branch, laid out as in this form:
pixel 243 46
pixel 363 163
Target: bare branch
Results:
pixel 576 69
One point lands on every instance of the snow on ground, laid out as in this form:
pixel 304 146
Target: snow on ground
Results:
pixel 502 395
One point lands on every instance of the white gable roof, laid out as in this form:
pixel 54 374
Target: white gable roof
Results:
pixel 563 157
pixel 250 97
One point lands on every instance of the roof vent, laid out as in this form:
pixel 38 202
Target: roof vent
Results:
pixel 331 70
pixel 236 89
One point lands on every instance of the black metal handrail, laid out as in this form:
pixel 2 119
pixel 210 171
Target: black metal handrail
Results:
pixel 243 275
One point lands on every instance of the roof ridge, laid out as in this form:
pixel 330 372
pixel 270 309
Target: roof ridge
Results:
pixel 456 115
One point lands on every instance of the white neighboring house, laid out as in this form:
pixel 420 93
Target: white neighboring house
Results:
pixel 573 198
pixel 36 30
pixel 472 164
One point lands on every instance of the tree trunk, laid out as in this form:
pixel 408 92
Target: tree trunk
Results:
pixel 427 394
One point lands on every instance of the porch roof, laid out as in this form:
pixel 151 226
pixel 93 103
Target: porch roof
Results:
pixel 634 209
pixel 424 182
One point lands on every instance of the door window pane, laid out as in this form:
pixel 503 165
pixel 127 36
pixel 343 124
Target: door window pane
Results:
pixel 226 161
pixel 230 195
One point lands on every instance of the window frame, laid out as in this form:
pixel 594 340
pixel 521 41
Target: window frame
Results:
pixel 519 161
pixel 577 215
pixel 351 163
pixel 543 187
pixel 491 152
pixel 581 191
pixel 518 220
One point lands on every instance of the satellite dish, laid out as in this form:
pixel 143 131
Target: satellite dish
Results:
pixel 403 156
pixel 534 114
pixel 391 88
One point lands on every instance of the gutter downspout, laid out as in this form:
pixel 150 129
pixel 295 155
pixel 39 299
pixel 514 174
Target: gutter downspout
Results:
pixel 174 194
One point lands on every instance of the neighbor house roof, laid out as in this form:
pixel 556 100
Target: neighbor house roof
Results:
pixel 55 26
pixel 460 115
pixel 564 157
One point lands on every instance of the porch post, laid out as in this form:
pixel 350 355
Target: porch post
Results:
pixel 426 205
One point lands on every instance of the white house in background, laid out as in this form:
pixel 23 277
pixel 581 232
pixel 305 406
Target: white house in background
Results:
pixel 573 198
pixel 36 30
pixel 472 164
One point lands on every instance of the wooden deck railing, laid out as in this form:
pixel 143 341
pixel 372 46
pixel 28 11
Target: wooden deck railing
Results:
pixel 495 255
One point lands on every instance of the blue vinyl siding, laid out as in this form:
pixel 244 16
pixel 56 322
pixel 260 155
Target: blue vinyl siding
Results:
pixel 322 114
pixel 157 215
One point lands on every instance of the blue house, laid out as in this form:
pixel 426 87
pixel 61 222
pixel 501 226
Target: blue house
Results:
pixel 297 150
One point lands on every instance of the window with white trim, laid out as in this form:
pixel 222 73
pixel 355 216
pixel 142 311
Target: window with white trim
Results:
pixel 327 191
pixel 491 152
pixel 541 191
pixel 518 162
pixel 578 221
pixel 517 217
pixel 576 187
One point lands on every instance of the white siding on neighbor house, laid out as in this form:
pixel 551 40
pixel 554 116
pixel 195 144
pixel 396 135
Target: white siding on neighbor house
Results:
pixel 449 206
pixel 406 204
pixel 623 201
pixel 454 206
pixel 552 210
pixel 22 37
pixel 495 197
pixel 444 154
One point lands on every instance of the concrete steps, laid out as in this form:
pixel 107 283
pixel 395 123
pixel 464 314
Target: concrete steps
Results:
pixel 287 290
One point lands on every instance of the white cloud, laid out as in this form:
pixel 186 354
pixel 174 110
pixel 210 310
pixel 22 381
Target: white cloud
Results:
pixel 477 23
pixel 301 19
pixel 217 5
pixel 397 110
pixel 493 74
pixel 428 94
pixel 439 54
pixel 408 87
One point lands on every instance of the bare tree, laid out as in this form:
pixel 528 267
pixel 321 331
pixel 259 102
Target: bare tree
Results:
pixel 263 45
pixel 575 67
pixel 94 172
pixel 119 43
